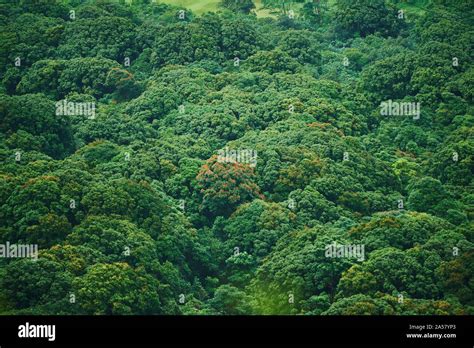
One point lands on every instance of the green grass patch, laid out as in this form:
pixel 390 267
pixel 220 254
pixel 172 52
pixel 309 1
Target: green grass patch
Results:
pixel 415 7
pixel 197 6
pixel 202 6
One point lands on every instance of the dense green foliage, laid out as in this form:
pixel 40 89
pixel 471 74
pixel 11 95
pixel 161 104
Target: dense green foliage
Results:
pixel 134 209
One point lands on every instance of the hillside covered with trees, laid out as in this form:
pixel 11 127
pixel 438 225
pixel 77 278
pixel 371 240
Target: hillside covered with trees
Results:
pixel 266 157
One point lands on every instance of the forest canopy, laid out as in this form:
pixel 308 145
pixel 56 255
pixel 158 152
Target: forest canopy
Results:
pixel 237 157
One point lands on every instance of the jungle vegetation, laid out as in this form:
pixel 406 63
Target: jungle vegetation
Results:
pixel 114 117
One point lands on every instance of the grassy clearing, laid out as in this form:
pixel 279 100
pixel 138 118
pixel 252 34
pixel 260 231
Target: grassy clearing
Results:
pixel 197 6
pixel 261 12
pixel 202 6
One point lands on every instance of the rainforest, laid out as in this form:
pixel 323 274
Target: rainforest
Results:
pixel 237 157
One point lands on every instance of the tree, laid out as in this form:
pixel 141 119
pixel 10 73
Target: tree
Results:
pixel 385 273
pixel 224 186
pixel 300 44
pixel 183 43
pixel 272 62
pixel 36 38
pixel 240 39
pixel 457 277
pixel 360 305
pixel 283 5
pixel 117 289
pixel 30 283
pixel 109 37
pixel 389 78
pixel 229 300
pixel 118 240
pixel 36 212
pixel 256 227
pixel 399 230
pixel 365 17
pixel 297 269
pixel 34 114
pixel 429 195
pixel 244 6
